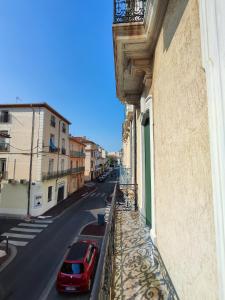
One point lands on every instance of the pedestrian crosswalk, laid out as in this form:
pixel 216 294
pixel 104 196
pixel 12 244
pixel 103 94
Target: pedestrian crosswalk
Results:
pixel 24 232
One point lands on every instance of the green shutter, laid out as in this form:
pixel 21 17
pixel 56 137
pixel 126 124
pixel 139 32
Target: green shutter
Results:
pixel 148 203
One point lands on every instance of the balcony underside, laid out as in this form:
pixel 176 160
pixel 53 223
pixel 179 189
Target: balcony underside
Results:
pixel 134 45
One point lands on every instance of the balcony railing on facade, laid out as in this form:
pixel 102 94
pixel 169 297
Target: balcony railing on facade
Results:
pixel 77 170
pixel 3 175
pixel 78 154
pixel 4 147
pixel 62 173
pixel 129 11
pixel 53 149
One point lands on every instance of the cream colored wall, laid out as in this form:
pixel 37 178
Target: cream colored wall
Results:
pixel 13 199
pixel 59 135
pixel 18 159
pixel 183 189
pixel 87 173
pixel 126 152
pixel 20 128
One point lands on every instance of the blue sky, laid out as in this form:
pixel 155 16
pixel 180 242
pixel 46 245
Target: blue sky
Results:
pixel 60 52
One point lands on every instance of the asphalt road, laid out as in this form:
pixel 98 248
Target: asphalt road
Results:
pixel 31 275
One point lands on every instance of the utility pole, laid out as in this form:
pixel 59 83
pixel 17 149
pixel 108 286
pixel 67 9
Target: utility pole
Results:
pixel 31 164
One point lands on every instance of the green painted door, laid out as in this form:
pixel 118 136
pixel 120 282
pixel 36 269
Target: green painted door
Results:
pixel 148 203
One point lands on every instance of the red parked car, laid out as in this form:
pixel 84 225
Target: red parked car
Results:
pixel 77 271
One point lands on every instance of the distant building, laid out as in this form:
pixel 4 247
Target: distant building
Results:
pixel 34 158
pixel 77 164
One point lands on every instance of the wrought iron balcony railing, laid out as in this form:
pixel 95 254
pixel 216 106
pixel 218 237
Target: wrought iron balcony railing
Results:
pixel 77 154
pixel 55 174
pixel 53 149
pixel 77 170
pixel 129 11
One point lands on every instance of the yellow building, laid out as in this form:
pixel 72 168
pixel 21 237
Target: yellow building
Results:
pixel 34 158
pixel 168 60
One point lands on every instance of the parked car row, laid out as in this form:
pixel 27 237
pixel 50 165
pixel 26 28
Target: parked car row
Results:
pixel 103 177
pixel 77 271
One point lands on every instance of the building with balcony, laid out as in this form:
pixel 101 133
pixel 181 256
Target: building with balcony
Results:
pixel 91 157
pixel 77 164
pixel 101 161
pixel 34 158
pixel 169 75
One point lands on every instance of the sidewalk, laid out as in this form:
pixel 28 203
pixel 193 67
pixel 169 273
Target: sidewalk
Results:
pixel 139 270
pixel 53 212
pixel 70 200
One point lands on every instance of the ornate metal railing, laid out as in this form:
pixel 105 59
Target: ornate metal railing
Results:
pixel 77 154
pixel 128 11
pixel 125 175
pixel 104 273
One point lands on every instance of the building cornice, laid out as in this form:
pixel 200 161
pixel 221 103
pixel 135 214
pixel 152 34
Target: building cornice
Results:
pixel 134 45
pixel 35 105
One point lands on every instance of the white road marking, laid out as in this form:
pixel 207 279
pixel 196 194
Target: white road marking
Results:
pixel 17 235
pixel 43 221
pixel 103 195
pixel 98 194
pixel 17 243
pixel 92 195
pixel 33 225
pixel 26 229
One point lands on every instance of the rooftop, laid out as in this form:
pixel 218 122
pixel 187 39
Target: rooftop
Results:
pixel 35 105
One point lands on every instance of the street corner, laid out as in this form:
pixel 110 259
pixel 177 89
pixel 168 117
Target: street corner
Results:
pixel 7 254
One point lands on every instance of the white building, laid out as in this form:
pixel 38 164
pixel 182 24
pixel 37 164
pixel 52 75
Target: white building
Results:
pixel 34 148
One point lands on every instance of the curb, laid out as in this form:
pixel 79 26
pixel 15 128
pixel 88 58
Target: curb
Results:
pixel 13 252
pixel 75 203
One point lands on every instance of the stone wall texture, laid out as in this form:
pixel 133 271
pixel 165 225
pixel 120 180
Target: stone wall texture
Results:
pixel 183 188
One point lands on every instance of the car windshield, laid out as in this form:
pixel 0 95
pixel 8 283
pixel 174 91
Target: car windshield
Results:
pixel 70 268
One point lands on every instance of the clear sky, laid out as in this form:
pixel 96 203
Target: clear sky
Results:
pixel 60 52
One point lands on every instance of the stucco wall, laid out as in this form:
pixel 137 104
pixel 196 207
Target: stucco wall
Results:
pixel 183 190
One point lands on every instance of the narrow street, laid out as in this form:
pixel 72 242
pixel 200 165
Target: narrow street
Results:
pixel 31 275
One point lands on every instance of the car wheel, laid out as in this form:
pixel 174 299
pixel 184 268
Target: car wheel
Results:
pixel 89 285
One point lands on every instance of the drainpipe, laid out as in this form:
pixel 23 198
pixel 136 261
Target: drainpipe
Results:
pixel 135 158
pixel 31 164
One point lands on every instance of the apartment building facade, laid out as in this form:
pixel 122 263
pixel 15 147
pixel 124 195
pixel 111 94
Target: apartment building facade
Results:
pixel 34 158
pixel 168 60
pixel 77 164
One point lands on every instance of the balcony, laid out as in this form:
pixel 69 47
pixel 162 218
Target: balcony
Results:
pixel 4 147
pixel 53 149
pixel 128 11
pixel 130 265
pixel 78 154
pixel 137 25
pixel 55 174
pixel 3 175
pixel 77 170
